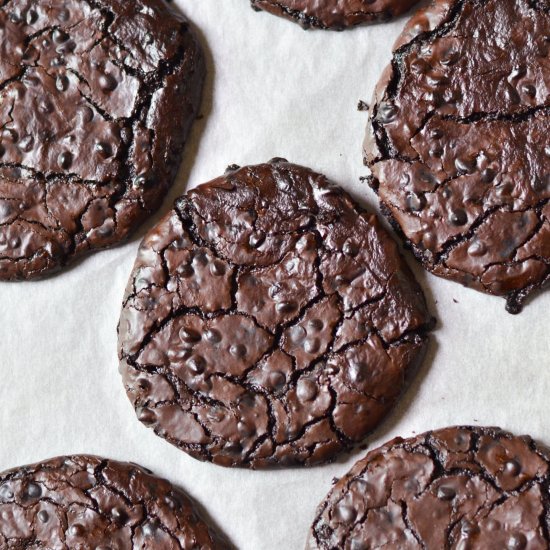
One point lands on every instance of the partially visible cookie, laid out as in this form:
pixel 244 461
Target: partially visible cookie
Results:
pixel 268 321
pixel 96 101
pixel 334 14
pixel 459 143
pixel 89 502
pixel 461 487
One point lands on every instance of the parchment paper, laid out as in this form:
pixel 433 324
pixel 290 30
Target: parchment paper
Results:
pixel 272 90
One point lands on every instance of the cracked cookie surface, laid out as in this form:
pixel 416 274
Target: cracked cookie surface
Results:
pixel 93 503
pixel 460 487
pixel 334 14
pixel 96 101
pixel 268 321
pixel 459 143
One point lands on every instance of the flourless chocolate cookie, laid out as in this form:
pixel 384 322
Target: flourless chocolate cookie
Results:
pixel 334 14
pixel 96 100
pixel 93 503
pixel 462 487
pixel 268 320
pixel 459 143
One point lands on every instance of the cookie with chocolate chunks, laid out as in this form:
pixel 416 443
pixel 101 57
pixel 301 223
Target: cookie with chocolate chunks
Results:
pixel 268 320
pixel 459 143
pixel 460 487
pixel 334 14
pixel 91 502
pixel 96 101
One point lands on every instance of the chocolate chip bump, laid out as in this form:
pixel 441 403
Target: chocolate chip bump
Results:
pixel 459 143
pixel 93 503
pixel 268 321
pixel 462 488
pixel 96 101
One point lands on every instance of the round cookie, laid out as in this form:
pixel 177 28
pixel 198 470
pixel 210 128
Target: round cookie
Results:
pixel 91 502
pixel 96 101
pixel 268 321
pixel 334 14
pixel 459 143
pixel 460 487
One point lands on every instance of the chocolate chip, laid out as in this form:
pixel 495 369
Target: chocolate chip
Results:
pixel 468 166
pixel 285 307
pixel 306 389
pixel 458 217
pixel 477 248
pixel 237 350
pixel 107 83
pixel 386 113
pixel 512 468
pixel 147 416
pixel 26 144
pixel 316 324
pixel 446 493
pixel 189 335
pixel 104 149
pixel 6 494
pixel 62 83
pixel 217 268
pixel 119 515
pixel 34 490
pixel 58 36
pixel 346 514
pixel 350 248
pixel 32 17
pixel 517 541
pixel 488 175
pixel 257 239
pixel 65 160
pixel 196 364
pixel 213 336
pixel 77 530
pixel 312 345
pixel 415 203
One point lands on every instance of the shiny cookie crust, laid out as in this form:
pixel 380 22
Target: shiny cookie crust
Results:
pixel 269 321
pixel 458 143
pixel 460 487
pixel 96 100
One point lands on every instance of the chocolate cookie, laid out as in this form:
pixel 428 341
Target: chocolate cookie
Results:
pixel 459 143
pixel 462 487
pixel 334 14
pixel 90 502
pixel 268 320
pixel 96 100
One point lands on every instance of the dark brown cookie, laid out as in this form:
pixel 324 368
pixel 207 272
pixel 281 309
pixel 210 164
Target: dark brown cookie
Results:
pixel 96 101
pixel 89 502
pixel 459 143
pixel 268 321
pixel 462 487
pixel 334 14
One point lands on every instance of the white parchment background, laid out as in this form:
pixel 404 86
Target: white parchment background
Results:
pixel 272 90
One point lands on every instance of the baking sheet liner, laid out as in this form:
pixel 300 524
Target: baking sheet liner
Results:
pixel 272 90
